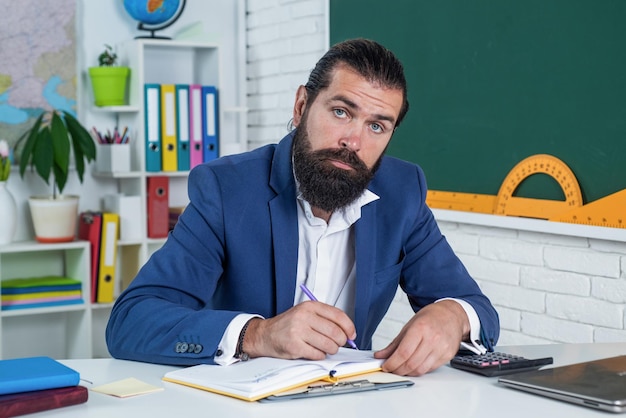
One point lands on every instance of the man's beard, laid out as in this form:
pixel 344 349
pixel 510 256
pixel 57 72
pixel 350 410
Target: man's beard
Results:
pixel 322 184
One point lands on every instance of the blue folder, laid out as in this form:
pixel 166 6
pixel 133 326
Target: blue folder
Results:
pixel 35 373
pixel 210 123
pixel 182 126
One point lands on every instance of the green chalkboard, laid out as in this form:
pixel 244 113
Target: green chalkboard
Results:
pixel 492 82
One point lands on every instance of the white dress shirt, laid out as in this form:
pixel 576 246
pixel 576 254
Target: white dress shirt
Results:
pixel 327 266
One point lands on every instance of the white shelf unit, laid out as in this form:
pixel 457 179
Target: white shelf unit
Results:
pixel 60 331
pixel 160 62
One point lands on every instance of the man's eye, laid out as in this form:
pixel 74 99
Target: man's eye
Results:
pixel 377 128
pixel 339 113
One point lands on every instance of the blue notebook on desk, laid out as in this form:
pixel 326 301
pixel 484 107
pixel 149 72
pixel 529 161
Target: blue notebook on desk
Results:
pixel 35 373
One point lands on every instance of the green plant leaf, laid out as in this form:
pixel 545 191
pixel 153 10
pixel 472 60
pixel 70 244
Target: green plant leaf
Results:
pixel 60 143
pixel 60 177
pixel 26 154
pixel 82 144
pixel 80 134
pixel 42 154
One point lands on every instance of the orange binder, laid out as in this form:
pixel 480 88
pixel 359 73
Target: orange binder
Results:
pixel 89 229
pixel 108 257
pixel 158 206
pixel 169 145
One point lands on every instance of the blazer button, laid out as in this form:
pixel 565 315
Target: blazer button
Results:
pixel 183 347
pixel 191 348
pixel 178 344
pixel 198 349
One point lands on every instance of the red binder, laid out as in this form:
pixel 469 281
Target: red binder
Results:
pixel 23 403
pixel 158 207
pixel 90 229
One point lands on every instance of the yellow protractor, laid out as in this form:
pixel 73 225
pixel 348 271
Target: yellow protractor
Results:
pixel 508 204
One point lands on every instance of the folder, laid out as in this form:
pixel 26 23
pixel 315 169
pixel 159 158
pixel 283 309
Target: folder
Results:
pixel 195 125
pixel 158 207
pixel 210 124
pixel 169 160
pixel 89 227
pixel 23 403
pixel 35 373
pixel 365 383
pixel 152 107
pixel 108 257
pixel 182 125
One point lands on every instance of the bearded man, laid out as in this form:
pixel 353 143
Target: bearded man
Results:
pixel 324 208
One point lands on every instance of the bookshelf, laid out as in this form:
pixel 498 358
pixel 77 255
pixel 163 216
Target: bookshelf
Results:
pixel 59 331
pixel 77 331
pixel 153 61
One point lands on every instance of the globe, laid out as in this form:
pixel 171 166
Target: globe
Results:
pixel 152 13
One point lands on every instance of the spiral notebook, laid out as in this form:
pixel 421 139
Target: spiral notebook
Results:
pixel 262 377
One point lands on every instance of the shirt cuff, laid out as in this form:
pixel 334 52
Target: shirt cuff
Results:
pixel 228 344
pixel 474 337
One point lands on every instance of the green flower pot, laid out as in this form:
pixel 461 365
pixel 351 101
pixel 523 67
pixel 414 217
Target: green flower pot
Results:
pixel 109 85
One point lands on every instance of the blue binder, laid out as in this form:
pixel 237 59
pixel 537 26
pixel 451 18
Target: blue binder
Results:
pixel 35 373
pixel 182 125
pixel 152 107
pixel 210 123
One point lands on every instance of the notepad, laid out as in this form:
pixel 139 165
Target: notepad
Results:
pixel 261 377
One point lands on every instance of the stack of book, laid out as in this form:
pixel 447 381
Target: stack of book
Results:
pixel 40 292
pixel 34 384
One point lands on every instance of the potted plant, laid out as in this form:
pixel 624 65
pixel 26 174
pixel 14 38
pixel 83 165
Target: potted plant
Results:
pixel 46 149
pixel 108 80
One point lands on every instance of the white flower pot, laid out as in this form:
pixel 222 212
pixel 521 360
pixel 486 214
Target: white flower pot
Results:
pixel 54 220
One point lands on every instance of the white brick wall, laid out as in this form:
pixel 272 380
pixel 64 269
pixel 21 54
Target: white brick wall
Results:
pixel 547 288
pixel 285 38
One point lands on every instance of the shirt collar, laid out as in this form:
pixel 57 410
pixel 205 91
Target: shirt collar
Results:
pixel 348 214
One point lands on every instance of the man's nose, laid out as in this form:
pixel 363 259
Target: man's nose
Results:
pixel 351 139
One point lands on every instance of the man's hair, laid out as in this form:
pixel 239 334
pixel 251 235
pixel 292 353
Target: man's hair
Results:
pixel 369 59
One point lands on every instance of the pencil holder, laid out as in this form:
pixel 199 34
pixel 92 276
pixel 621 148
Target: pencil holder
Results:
pixel 113 158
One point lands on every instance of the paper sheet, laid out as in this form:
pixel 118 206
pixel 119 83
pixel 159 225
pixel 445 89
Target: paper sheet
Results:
pixel 127 387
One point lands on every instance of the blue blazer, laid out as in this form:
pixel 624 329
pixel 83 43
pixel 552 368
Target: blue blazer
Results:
pixel 234 250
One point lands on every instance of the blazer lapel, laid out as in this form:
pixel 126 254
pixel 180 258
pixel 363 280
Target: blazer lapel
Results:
pixel 365 238
pixel 284 223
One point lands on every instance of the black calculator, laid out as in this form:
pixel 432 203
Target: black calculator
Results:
pixel 496 363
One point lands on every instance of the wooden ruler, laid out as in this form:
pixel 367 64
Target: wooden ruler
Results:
pixel 609 211
pixel 467 202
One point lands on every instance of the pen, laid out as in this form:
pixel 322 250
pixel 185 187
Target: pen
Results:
pixel 313 298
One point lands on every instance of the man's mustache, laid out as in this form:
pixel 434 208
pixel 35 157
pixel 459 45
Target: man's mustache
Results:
pixel 342 154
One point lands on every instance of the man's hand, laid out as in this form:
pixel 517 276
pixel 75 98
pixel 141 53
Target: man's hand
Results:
pixel 309 330
pixel 430 339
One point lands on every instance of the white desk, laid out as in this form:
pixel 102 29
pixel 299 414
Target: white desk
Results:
pixel 444 393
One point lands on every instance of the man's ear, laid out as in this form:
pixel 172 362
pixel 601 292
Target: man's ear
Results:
pixel 299 105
